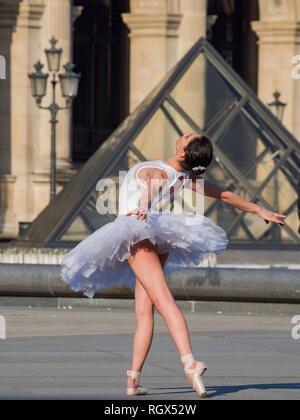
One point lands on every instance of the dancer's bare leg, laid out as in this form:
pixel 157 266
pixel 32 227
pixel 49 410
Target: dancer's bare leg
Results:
pixel 146 265
pixel 144 311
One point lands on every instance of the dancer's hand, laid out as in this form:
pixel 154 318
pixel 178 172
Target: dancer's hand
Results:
pixel 270 216
pixel 141 214
pixel 187 135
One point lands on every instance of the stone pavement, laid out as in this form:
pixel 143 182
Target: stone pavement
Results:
pixel 84 353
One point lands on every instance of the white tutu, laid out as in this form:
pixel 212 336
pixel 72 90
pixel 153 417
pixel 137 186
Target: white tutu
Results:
pixel 100 260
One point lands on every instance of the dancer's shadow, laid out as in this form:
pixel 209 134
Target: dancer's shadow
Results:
pixel 214 391
pixel 171 390
pixel 230 389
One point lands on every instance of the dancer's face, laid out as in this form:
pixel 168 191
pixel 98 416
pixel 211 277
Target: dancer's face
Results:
pixel 183 141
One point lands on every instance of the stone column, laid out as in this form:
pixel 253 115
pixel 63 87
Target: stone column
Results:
pixel 279 40
pixel 25 139
pixel 57 22
pixel 193 25
pixel 190 92
pixel 8 218
pixel 19 42
pixel 8 17
pixel 153 26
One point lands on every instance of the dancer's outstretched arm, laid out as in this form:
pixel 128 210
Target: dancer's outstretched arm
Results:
pixel 214 191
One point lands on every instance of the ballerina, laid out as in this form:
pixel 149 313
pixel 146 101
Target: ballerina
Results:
pixel 143 245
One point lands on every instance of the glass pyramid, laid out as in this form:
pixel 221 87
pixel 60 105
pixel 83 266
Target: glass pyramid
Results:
pixel 255 156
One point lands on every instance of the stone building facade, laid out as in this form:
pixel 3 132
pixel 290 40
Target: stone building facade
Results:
pixel 123 48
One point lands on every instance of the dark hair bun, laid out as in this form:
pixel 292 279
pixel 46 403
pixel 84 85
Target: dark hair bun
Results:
pixel 199 152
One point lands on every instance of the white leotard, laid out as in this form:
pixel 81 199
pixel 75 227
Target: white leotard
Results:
pixel 132 186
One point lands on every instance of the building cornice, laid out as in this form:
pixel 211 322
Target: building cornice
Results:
pixel 26 13
pixel 152 25
pixel 275 32
pixel 31 13
pixel 9 10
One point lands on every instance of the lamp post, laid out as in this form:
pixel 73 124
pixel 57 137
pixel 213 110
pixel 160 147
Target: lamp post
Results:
pixel 277 107
pixel 69 82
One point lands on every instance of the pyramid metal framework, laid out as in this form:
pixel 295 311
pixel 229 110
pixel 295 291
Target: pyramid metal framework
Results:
pixel 255 156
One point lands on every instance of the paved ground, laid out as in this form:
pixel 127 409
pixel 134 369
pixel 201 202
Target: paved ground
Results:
pixel 84 354
pixel 263 258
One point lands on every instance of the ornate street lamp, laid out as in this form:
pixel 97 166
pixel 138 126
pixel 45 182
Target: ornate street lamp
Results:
pixel 69 82
pixel 53 55
pixel 38 82
pixel 277 107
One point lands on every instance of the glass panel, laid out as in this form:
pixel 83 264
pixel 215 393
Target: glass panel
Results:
pixel 76 231
pixel 284 197
pixel 202 91
pixel 89 218
pixel 181 123
pixel 131 160
pixel 157 139
pixel 278 193
pixel 223 214
pixel 217 173
pixel 239 143
pixel 292 220
pixel 271 137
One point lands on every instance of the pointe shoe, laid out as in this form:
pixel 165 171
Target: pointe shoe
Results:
pixel 139 390
pixel 197 373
